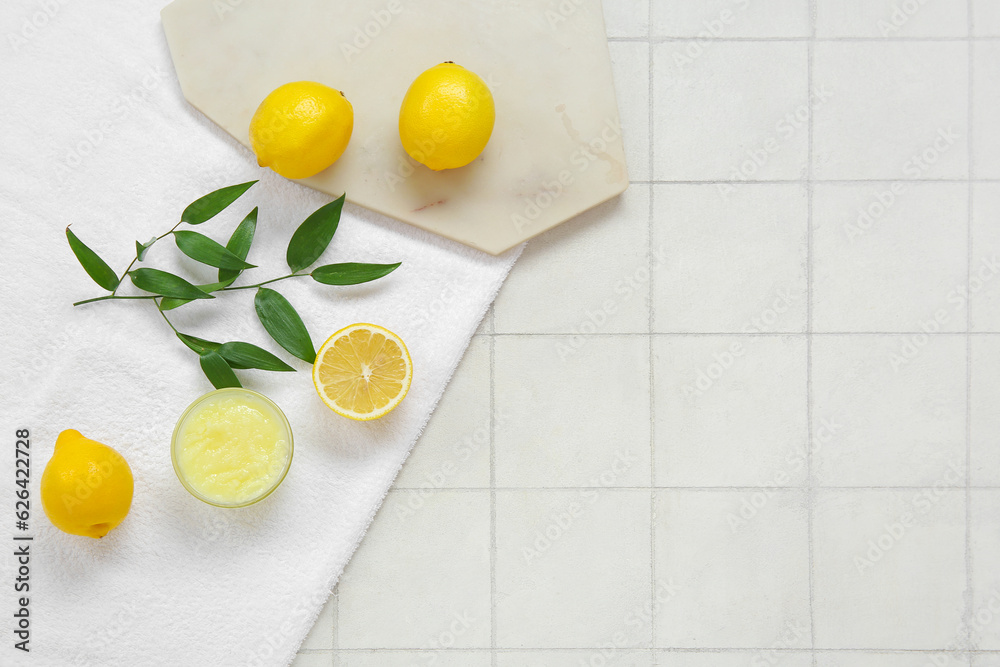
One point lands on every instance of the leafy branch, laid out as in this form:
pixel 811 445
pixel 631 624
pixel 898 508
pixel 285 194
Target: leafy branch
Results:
pixel 279 318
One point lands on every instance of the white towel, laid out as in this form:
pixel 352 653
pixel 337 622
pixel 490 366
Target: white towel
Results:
pixel 95 132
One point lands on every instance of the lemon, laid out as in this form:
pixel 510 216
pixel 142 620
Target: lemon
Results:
pixel 301 128
pixel 86 486
pixel 447 117
pixel 363 371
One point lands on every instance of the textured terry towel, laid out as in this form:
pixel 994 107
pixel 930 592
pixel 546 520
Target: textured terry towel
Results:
pixel 96 133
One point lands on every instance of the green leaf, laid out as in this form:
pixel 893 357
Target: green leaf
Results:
pixel 168 303
pixel 284 324
pixel 218 371
pixel 166 284
pixel 213 203
pixel 199 345
pixel 314 235
pixel 141 248
pixel 95 267
pixel 239 244
pixel 351 273
pixel 203 249
pixel 247 355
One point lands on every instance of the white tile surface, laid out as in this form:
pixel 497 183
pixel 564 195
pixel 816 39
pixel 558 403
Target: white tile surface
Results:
pixel 729 410
pixel 630 67
pixel 984 281
pixel 569 571
pixel 888 410
pixel 740 563
pixel 892 18
pixel 731 18
pixel 889 568
pixel 735 258
pixel 691 555
pixel 861 132
pixel 385 658
pixel 599 438
pixel 986 109
pixel 985 618
pixel 455 446
pixel 910 659
pixel 313 660
pixel 984 415
pixel 740 107
pixel 421 578
pixel 766 656
pixel 321 635
pixel 568 282
pixel 605 655
pixel 890 256
pixel 986 15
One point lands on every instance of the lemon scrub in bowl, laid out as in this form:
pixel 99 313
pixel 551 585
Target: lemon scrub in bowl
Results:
pixel 232 447
pixel 447 117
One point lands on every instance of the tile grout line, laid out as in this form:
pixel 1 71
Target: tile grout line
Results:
pixel 970 598
pixel 810 481
pixel 649 340
pixel 493 497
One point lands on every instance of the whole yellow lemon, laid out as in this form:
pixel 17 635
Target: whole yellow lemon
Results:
pixel 447 117
pixel 301 128
pixel 86 486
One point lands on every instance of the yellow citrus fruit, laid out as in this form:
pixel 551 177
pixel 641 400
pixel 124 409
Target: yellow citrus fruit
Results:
pixel 86 486
pixel 447 117
pixel 301 128
pixel 363 371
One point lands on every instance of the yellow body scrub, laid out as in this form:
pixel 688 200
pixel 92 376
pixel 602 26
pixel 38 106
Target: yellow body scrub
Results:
pixel 232 447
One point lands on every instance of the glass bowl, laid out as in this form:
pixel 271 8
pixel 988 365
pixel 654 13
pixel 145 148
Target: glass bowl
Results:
pixel 246 395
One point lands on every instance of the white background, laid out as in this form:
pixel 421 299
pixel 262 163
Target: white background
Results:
pixel 703 424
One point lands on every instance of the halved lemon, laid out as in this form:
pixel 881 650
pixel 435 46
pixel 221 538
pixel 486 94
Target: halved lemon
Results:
pixel 363 371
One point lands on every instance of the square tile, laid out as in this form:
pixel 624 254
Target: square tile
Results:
pixel 985 547
pixel 414 659
pixel 765 657
pixel 626 18
pixel 889 568
pixel 859 132
pixel 730 411
pixel 630 68
pixel 454 449
pixel 607 654
pixel 986 109
pixel 574 411
pixel 910 659
pixel 986 18
pixel 890 256
pixel 407 591
pixel 892 18
pixel 889 410
pixel 740 563
pixel 321 635
pixel 313 660
pixel 734 260
pixel 566 281
pixel 730 110
pixel 569 571
pixel 985 397
pixel 726 19
pixel 984 282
